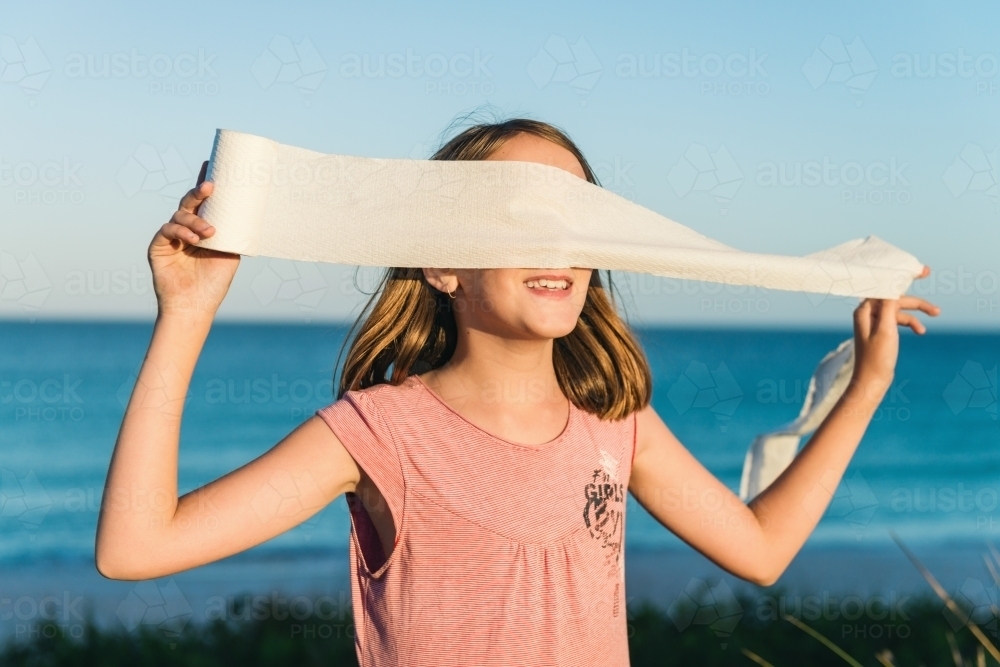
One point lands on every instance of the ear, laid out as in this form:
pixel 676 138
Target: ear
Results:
pixel 443 280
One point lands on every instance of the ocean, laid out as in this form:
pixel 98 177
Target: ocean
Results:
pixel 928 467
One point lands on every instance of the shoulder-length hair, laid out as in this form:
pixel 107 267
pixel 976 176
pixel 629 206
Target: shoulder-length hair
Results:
pixel 408 327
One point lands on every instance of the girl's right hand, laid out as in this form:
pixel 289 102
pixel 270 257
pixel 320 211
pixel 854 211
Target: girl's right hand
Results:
pixel 186 278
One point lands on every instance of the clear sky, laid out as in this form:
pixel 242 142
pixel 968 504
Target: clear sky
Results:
pixel 786 130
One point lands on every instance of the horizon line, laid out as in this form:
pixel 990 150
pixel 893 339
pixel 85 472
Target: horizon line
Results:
pixel 804 327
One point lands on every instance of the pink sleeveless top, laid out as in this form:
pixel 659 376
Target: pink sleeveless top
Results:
pixel 505 554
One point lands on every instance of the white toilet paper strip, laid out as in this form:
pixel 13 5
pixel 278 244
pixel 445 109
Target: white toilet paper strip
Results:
pixel 281 201
pixel 770 453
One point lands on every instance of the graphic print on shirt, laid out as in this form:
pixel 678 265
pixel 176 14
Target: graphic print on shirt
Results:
pixel 604 515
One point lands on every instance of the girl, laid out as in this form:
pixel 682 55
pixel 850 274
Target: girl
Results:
pixel 487 427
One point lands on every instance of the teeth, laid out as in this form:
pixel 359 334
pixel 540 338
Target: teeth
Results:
pixel 547 284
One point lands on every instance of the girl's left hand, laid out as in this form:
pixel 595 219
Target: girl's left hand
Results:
pixel 876 337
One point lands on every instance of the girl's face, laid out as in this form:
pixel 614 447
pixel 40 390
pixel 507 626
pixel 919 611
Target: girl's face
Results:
pixel 520 303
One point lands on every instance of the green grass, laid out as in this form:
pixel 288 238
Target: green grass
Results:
pixel 918 639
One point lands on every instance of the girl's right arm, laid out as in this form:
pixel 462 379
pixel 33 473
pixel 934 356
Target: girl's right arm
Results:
pixel 144 530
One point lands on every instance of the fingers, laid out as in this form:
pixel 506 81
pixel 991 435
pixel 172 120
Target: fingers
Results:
pixel 883 315
pixel 916 303
pixel 912 321
pixel 193 199
pixel 187 227
pixel 173 231
pixel 194 223
pixel 863 319
pixel 926 272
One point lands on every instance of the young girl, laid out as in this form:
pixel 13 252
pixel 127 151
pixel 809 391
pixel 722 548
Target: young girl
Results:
pixel 488 425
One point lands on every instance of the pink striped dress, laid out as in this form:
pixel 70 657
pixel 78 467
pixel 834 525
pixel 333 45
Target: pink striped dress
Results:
pixel 505 554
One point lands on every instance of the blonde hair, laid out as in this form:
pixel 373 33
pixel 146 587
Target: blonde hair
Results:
pixel 408 327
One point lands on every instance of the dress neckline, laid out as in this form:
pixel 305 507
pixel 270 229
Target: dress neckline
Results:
pixel 544 447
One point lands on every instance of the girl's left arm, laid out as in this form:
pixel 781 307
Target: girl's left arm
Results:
pixel 757 541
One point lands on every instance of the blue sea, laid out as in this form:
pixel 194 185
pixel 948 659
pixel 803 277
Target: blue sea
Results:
pixel 928 467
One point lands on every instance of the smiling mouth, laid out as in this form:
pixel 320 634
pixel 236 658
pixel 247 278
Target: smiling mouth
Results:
pixel 549 284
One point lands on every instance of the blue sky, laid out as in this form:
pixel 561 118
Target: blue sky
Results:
pixel 786 130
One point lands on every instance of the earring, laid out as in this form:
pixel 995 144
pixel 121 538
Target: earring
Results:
pixel 451 295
